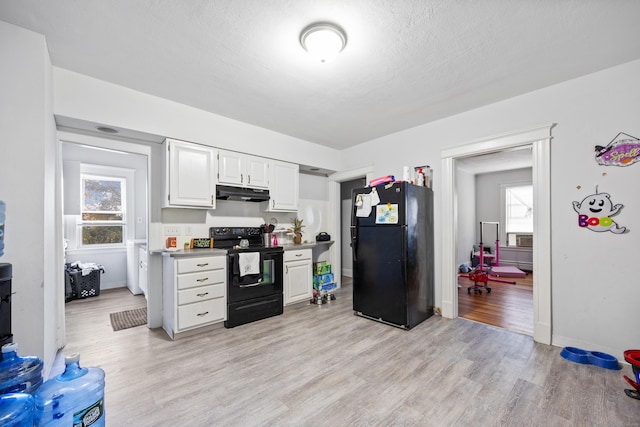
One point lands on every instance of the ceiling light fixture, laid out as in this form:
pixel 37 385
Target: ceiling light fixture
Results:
pixel 323 40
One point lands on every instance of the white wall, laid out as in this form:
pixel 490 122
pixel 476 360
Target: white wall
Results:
pixel 33 237
pixel 466 210
pixel 592 293
pixel 81 97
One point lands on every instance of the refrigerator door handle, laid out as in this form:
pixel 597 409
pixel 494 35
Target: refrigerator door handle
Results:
pixel 354 242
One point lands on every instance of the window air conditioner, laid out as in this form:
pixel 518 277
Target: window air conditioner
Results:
pixel 524 240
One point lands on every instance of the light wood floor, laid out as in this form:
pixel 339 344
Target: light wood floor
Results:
pixel 507 306
pixel 323 366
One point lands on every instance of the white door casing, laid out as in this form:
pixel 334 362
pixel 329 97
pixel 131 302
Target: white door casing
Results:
pixel 540 140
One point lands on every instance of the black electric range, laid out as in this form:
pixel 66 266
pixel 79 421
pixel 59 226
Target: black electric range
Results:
pixel 254 275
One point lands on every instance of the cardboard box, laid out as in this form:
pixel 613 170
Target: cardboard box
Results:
pixel 321 267
pixel 322 279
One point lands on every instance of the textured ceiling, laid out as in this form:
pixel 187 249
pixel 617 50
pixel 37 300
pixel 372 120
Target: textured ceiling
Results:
pixel 406 62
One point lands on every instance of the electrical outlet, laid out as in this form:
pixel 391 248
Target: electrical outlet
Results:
pixel 172 230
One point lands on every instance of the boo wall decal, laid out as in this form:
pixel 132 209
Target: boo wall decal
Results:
pixel 595 212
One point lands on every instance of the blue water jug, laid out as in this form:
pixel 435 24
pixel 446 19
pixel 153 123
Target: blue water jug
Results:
pixel 19 374
pixel 16 410
pixel 73 398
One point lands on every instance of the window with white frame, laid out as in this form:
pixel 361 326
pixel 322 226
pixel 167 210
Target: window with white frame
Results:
pixel 103 210
pixel 518 214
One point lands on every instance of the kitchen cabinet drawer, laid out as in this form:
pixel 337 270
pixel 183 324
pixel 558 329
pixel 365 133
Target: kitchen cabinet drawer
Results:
pixel 199 313
pixel 189 265
pixel 297 255
pixel 194 292
pixel 202 278
pixel 203 293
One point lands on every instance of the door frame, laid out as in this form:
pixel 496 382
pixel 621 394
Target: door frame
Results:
pixel 104 142
pixel 540 140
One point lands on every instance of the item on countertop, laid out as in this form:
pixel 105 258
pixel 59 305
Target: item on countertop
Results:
pixel 171 242
pixel 201 243
pixel 275 240
pixel 266 240
pixel 75 397
pixel 19 374
pixel 297 230
pixel 323 237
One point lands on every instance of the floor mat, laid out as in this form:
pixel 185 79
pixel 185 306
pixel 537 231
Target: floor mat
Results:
pixel 128 319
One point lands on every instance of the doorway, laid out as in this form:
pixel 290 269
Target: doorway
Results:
pixel 540 140
pixel 90 161
pixel 495 204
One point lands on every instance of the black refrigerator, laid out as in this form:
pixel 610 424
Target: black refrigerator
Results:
pixel 392 244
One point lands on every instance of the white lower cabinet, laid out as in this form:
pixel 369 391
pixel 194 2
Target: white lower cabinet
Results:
pixel 298 285
pixel 194 292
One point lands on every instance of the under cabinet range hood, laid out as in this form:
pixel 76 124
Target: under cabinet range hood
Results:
pixel 225 192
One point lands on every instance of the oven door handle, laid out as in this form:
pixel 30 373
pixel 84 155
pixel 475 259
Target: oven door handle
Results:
pixel 251 285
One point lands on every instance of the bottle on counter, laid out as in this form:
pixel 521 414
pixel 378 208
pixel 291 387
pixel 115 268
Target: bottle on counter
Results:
pixel 19 374
pixel 75 397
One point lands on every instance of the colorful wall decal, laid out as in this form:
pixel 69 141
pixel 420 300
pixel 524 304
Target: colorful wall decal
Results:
pixel 620 151
pixel 595 212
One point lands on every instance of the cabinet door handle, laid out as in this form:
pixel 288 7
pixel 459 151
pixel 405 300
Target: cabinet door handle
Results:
pixel 241 178
pixel 273 203
pixel 287 269
pixel 203 295
pixel 202 280
pixel 298 254
pixel 202 314
pixel 202 265
pixel 248 179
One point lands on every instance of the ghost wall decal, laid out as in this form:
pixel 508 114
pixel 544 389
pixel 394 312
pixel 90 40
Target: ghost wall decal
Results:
pixel 595 212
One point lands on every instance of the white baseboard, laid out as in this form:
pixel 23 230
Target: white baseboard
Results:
pixel 347 272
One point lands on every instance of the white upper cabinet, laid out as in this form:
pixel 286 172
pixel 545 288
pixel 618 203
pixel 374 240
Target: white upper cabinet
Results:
pixel 242 170
pixel 190 175
pixel 283 188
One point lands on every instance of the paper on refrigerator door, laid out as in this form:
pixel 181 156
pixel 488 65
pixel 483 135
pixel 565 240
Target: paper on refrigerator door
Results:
pixel 387 214
pixel 375 199
pixel 363 205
